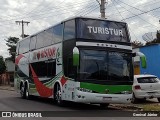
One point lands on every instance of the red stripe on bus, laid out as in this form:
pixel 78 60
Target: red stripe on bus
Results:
pixel 63 80
pixel 41 88
pixel 18 59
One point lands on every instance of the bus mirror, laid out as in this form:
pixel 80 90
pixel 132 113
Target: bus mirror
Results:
pixel 75 56
pixel 142 59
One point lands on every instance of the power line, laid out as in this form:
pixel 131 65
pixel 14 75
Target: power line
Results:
pixel 123 18
pixel 117 9
pixel 44 12
pixel 132 6
pixel 137 6
pixel 83 10
pixel 137 16
pixel 87 9
pixel 60 13
pixel 92 10
pixel 141 13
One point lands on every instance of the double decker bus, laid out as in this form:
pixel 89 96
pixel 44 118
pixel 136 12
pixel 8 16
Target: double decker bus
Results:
pixel 85 60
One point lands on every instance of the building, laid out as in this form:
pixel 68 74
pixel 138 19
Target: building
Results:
pixel 136 62
pixel 152 53
pixel 7 78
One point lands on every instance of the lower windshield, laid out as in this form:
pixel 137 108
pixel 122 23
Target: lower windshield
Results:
pixel 105 65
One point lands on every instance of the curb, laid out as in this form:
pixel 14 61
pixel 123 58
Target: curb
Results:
pixel 7 88
pixel 128 107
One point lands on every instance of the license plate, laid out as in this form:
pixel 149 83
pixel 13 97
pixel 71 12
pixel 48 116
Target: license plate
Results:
pixel 107 98
pixel 151 93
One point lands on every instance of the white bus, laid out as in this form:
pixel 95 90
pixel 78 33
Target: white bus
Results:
pixel 85 60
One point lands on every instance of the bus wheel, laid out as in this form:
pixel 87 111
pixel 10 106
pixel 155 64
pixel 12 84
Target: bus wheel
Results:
pixel 57 95
pixel 104 105
pixel 158 99
pixel 27 93
pixel 22 92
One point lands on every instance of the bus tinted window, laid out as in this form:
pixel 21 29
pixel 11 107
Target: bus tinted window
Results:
pixel 33 42
pixel 57 33
pixel 24 46
pixel 48 37
pixel 40 38
pixel 17 48
pixel 44 68
pixel 69 30
pixel 102 30
pixel 119 66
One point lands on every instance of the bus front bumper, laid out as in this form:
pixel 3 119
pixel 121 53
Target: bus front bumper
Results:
pixel 86 97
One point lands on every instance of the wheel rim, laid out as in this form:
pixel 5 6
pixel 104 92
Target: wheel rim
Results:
pixel 58 95
pixel 27 93
pixel 22 91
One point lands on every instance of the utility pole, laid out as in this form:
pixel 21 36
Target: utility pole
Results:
pixel 102 8
pixel 22 22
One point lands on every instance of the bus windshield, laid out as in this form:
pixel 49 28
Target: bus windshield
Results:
pixel 105 65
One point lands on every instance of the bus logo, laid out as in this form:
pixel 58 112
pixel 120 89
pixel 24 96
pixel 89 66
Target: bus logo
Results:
pixel 44 53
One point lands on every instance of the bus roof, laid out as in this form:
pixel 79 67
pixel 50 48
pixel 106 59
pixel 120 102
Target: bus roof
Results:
pixel 71 18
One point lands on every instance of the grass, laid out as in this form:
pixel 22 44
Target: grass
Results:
pixel 150 107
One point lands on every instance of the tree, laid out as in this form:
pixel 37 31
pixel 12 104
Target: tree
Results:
pixel 11 43
pixel 137 43
pixel 2 65
pixel 158 36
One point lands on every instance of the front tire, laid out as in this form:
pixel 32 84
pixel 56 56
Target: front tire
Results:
pixel 25 92
pixel 28 96
pixel 58 96
pixel 158 99
pixel 22 92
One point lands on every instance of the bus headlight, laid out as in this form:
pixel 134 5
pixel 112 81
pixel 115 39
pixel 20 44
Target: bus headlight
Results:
pixel 84 90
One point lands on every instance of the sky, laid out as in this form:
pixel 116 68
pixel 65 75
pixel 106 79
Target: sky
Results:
pixel 142 16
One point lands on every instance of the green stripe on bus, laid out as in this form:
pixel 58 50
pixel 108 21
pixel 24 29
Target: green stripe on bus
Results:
pixel 102 88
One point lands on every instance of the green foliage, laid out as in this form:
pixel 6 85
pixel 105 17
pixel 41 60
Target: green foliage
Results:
pixel 11 43
pixel 137 43
pixel 2 65
pixel 158 36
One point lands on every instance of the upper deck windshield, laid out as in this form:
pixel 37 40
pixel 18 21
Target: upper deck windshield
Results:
pixel 102 30
pixel 105 65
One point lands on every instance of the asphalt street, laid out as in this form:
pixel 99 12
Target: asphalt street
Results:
pixel 11 101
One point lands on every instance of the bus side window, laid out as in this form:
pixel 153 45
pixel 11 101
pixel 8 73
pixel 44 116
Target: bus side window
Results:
pixel 57 33
pixel 44 68
pixel 48 37
pixel 24 46
pixel 69 30
pixel 17 49
pixel 51 68
pixel 40 40
pixel 33 42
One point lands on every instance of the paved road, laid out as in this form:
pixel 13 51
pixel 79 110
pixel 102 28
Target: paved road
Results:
pixel 10 101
